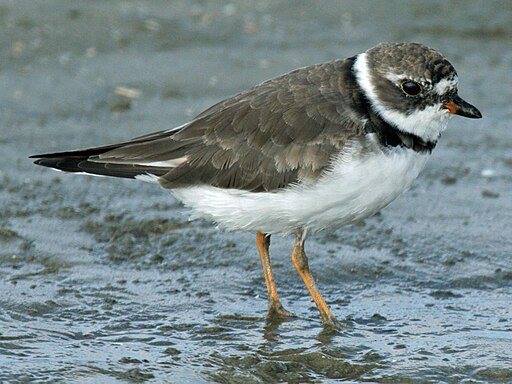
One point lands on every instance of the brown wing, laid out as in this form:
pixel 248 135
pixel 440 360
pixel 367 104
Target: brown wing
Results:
pixel 285 130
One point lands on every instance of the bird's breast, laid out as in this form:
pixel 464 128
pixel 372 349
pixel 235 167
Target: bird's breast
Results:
pixel 359 185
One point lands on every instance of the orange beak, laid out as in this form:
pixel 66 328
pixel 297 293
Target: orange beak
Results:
pixel 458 106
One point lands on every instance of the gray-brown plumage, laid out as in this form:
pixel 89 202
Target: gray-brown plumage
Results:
pixel 282 131
pixel 285 130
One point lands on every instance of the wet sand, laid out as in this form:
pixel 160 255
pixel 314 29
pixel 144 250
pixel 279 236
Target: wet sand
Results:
pixel 105 280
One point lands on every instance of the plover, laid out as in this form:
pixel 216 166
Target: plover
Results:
pixel 318 147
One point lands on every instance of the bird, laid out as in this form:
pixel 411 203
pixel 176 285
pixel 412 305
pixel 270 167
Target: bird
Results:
pixel 316 148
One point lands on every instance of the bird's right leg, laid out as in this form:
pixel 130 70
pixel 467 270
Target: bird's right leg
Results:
pixel 275 308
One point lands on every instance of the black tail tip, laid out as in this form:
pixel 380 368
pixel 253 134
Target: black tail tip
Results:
pixel 44 162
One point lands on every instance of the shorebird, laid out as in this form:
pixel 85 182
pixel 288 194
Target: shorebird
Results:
pixel 316 148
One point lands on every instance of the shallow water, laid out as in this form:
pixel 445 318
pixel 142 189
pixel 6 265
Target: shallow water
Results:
pixel 108 281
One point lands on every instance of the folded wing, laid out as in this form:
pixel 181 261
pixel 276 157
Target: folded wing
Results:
pixel 285 130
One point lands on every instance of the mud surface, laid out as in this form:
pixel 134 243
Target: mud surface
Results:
pixel 106 280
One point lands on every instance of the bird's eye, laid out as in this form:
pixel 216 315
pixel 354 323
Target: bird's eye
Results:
pixel 410 88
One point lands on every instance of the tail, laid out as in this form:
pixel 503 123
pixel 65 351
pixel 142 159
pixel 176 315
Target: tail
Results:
pixel 86 161
pixel 150 155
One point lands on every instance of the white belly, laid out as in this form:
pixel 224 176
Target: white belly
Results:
pixel 355 188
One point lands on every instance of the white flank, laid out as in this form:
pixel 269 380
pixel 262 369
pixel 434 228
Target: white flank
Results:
pixel 427 123
pixel 148 178
pixel 355 188
pixel 165 164
pixel 77 173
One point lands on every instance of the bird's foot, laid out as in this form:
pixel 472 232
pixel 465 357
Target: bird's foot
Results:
pixel 330 323
pixel 277 312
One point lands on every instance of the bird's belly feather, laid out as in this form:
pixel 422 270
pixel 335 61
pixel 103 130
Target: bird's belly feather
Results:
pixel 355 187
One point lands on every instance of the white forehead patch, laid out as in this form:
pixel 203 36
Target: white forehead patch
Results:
pixel 445 85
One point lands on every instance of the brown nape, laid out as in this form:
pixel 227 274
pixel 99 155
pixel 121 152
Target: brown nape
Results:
pixel 275 309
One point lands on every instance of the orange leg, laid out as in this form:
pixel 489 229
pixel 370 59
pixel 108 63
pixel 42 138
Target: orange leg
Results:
pixel 300 261
pixel 275 309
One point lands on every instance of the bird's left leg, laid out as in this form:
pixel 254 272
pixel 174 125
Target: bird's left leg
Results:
pixel 300 261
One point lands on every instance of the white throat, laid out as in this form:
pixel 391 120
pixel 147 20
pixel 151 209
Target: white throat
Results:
pixel 426 124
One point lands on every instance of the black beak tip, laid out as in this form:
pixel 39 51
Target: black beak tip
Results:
pixel 477 114
pixel 471 112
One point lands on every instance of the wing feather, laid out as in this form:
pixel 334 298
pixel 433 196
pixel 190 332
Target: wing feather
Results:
pixel 283 131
